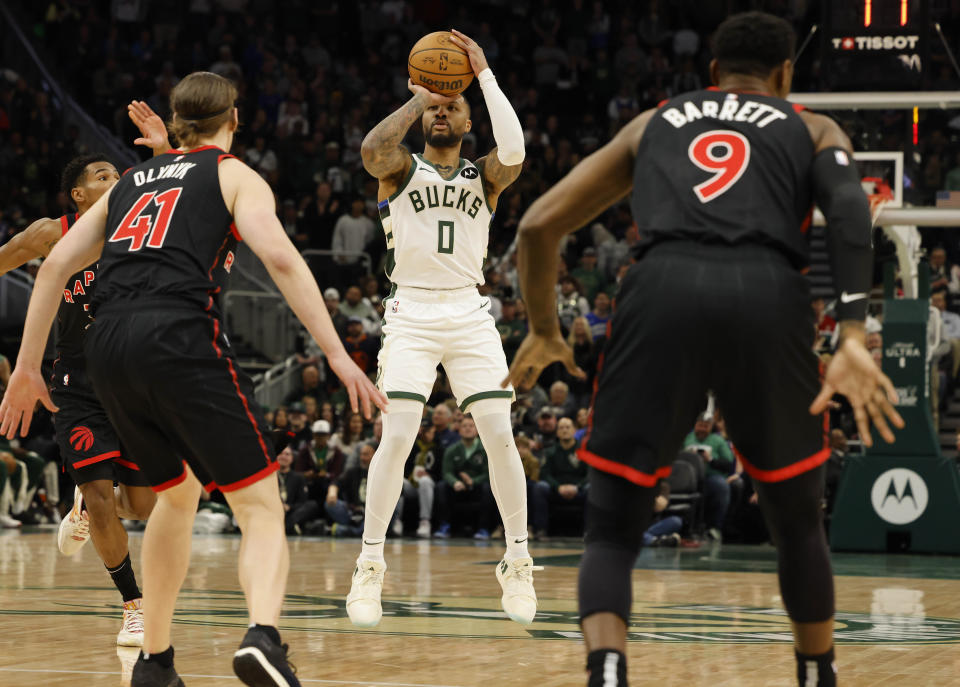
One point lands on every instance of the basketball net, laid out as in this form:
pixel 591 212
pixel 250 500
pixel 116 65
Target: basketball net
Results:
pixel 879 194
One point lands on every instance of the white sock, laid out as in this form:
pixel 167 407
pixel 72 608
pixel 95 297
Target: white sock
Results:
pixel 385 479
pixel 507 481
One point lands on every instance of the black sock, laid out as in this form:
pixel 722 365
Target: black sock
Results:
pixel 272 633
pixel 164 659
pixel 125 580
pixel 601 663
pixel 824 665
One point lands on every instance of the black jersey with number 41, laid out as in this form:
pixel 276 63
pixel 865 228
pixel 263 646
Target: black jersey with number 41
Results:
pixel 725 167
pixel 168 232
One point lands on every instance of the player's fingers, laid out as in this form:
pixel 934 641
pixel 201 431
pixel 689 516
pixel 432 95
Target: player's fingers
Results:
pixel 883 403
pixel 352 394
pixel 48 402
pixel 863 424
pixel 822 400
pixel 25 424
pixel 4 420
pixel 364 399
pixel 880 422
pixel 889 388
pixel 140 142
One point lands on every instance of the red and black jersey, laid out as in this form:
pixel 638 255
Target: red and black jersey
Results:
pixel 73 316
pixel 725 167
pixel 168 232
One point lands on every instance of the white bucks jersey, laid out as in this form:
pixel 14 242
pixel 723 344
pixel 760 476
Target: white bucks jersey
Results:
pixel 437 230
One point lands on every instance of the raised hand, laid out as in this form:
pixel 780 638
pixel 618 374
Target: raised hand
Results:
pixel 363 394
pixel 153 131
pixel 534 354
pixel 477 59
pixel 429 97
pixel 20 400
pixel 853 373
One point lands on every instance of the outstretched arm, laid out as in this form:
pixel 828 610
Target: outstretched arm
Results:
pixel 36 241
pixel 592 186
pixel 79 248
pixel 251 202
pixel 503 164
pixel 382 150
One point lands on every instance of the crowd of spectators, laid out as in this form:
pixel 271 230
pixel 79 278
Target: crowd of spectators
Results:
pixel 313 79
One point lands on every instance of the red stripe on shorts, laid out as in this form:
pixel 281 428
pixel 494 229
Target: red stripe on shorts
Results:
pixel 785 473
pixel 644 479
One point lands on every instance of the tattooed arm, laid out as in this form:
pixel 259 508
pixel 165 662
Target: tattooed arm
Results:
pixel 496 176
pixel 382 151
pixel 36 241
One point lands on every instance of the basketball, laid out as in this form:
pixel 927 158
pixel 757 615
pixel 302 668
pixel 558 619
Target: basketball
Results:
pixel 439 65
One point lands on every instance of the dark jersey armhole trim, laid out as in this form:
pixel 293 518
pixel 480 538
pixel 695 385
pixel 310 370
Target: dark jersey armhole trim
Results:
pixel 64 226
pixel 233 230
pixel 798 108
pixel 406 180
pixel 663 102
pixel 221 158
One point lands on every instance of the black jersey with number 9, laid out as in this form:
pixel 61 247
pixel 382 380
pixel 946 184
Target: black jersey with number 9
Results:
pixel 725 167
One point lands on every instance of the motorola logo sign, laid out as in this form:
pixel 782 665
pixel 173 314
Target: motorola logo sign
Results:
pixel 899 496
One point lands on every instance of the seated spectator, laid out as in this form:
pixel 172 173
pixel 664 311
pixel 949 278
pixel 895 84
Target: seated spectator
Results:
pixel 570 304
pixel 445 435
pixel 331 298
pixel 561 400
pixel 309 386
pixel 423 470
pixel 319 216
pixel 351 234
pixel 585 354
pixel 546 435
pixel 361 347
pixel 262 160
pixel 354 305
pixel 297 504
pixel 600 315
pixel 563 478
pixel 613 254
pixel 665 530
pixel 318 462
pixel 349 438
pixel 939 270
pixel 720 464
pixel 588 274
pixel 512 328
pixel 465 481
pixel 582 422
pixel 346 498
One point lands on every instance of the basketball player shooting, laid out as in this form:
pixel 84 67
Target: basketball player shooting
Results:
pixel 91 451
pixel 721 185
pixel 436 209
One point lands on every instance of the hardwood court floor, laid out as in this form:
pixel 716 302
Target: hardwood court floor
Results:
pixel 709 616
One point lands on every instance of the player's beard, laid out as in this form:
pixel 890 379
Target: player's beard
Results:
pixel 447 139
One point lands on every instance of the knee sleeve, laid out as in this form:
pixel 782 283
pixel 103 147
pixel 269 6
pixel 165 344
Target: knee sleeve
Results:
pixel 793 513
pixel 617 514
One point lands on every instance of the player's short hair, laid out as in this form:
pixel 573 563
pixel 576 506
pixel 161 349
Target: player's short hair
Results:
pixel 75 171
pixel 201 103
pixel 753 43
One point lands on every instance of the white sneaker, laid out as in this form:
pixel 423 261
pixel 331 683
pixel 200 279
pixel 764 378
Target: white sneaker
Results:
pixel 363 601
pixel 75 528
pixel 8 523
pixel 131 632
pixel 519 600
pixel 423 532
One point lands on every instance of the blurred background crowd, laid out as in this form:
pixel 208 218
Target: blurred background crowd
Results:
pixel 314 78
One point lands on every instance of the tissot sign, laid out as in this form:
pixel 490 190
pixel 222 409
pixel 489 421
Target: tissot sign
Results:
pixel 900 43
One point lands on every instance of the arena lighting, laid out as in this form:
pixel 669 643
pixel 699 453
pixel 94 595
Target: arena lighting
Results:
pixel 867 12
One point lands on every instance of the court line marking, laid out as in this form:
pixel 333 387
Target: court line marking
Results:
pixel 229 677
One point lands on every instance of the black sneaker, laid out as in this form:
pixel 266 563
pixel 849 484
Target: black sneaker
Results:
pixel 260 662
pixel 151 674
